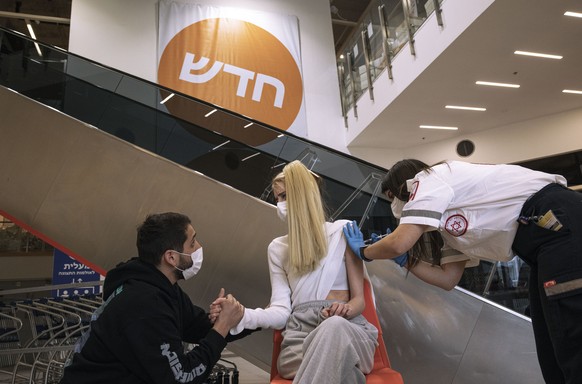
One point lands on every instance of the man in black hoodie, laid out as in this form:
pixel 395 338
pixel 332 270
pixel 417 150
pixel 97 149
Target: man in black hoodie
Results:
pixel 136 335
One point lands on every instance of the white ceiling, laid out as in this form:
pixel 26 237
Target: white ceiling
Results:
pixel 485 51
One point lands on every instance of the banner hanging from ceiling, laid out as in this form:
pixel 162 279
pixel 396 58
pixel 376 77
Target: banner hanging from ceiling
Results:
pixel 246 61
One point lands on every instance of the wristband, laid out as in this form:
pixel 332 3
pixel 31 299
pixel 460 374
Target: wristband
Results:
pixel 364 256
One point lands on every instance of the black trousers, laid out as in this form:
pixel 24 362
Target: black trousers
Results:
pixel 555 283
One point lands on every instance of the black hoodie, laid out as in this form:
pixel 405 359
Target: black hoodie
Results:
pixel 138 333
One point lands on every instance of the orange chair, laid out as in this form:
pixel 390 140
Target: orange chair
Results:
pixel 381 373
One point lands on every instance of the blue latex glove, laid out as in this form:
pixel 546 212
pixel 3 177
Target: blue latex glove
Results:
pixel 375 237
pixel 355 238
pixel 401 260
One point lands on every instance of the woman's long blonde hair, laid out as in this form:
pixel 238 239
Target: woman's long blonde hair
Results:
pixel 305 217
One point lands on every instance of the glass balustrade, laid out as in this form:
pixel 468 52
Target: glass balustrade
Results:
pixel 386 27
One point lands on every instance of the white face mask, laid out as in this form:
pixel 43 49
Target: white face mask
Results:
pixel 397 205
pixel 282 210
pixel 197 257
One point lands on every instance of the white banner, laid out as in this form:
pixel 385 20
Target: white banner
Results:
pixel 246 61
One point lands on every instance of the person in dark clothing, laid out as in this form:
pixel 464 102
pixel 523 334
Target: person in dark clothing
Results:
pixel 137 335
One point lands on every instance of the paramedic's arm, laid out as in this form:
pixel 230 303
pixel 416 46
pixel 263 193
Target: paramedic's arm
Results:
pixel 401 240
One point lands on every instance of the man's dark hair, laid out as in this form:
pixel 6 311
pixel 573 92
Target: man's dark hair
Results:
pixel 160 232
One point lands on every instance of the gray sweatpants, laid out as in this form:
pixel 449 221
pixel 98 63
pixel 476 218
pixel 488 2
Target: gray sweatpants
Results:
pixel 333 350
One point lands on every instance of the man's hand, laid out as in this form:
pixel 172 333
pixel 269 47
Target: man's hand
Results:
pixel 215 307
pixel 230 315
pixel 355 238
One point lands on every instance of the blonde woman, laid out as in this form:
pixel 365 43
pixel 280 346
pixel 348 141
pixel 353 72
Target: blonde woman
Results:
pixel 317 292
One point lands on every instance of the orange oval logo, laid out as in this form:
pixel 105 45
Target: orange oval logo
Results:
pixel 236 65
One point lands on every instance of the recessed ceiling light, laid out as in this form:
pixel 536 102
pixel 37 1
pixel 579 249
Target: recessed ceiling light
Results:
pixel 536 54
pixel 465 108
pixel 572 91
pixel 33 35
pixel 210 113
pixel 251 156
pixel 218 146
pixel 167 98
pixel 438 127
pixel 492 84
pixel 573 14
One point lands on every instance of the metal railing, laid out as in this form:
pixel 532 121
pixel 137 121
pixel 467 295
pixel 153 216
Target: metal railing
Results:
pixel 386 28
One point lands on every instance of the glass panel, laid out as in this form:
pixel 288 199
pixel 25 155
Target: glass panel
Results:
pixel 418 12
pixel 376 39
pixel 503 283
pixel 357 64
pixel 397 31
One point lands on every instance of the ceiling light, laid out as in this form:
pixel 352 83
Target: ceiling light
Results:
pixel 573 14
pixel 465 108
pixel 251 156
pixel 218 146
pixel 167 98
pixel 438 127
pixel 507 85
pixel 33 35
pixel 572 91
pixel 535 54
pixel 210 113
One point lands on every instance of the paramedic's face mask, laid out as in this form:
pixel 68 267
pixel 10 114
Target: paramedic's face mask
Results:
pixel 397 205
pixel 197 257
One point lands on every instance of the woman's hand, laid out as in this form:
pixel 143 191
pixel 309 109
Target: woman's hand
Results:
pixel 338 309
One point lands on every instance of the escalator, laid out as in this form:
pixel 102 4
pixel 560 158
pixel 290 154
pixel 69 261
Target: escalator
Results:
pixel 86 152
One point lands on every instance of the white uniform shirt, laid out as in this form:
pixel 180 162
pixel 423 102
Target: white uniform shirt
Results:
pixel 475 207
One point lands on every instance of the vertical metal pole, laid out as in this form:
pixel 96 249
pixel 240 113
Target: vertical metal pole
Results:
pixel 438 11
pixel 366 45
pixel 406 10
pixel 385 36
pixel 341 73
pixel 351 72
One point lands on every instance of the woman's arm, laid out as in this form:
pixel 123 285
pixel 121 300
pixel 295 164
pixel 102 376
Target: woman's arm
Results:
pixel 355 306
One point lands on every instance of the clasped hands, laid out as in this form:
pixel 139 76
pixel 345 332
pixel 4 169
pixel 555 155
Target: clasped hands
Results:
pixel 225 312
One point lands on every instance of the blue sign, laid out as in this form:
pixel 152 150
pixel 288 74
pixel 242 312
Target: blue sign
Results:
pixel 67 270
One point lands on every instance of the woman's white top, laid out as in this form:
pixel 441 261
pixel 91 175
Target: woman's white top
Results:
pixel 289 290
pixel 475 207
